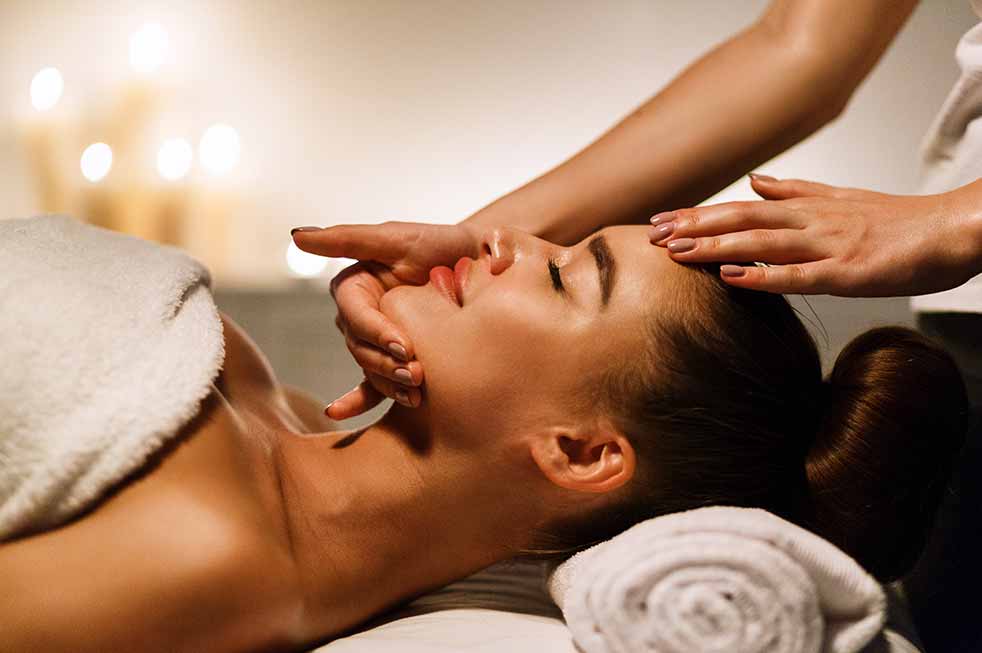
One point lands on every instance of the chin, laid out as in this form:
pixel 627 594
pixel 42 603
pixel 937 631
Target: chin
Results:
pixel 421 313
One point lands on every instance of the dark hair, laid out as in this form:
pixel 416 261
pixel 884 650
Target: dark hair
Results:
pixel 728 407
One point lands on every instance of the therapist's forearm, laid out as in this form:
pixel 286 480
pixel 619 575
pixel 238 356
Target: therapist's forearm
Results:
pixel 964 205
pixel 745 101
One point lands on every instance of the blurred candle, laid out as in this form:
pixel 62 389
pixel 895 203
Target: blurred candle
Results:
pixel 304 264
pixel 46 88
pixel 140 98
pixel 96 162
pixel 148 48
pixel 174 159
pixel 43 137
pixel 219 149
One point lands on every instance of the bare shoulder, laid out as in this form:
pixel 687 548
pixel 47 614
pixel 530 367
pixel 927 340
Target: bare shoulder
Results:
pixel 161 572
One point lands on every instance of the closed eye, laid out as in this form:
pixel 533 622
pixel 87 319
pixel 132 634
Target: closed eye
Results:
pixel 557 281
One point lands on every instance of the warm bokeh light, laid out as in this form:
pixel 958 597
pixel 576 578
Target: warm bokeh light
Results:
pixel 148 47
pixel 46 88
pixel 304 264
pixel 96 162
pixel 174 159
pixel 219 149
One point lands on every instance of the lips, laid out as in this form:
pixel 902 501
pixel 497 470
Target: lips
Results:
pixel 442 279
pixel 451 283
pixel 460 270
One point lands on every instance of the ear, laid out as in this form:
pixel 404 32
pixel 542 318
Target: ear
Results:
pixel 595 459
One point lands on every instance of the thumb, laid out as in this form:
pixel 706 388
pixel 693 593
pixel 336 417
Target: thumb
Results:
pixel 365 242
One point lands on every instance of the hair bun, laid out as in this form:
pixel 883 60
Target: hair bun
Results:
pixel 894 419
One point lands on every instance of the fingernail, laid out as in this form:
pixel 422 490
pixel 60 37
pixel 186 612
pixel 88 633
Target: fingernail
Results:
pixel 403 398
pixel 398 351
pixel 661 231
pixel 658 218
pixel 732 270
pixel 296 229
pixel 756 176
pixel 404 375
pixel 682 245
pixel 326 410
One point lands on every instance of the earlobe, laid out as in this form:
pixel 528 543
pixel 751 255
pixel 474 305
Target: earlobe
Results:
pixel 597 461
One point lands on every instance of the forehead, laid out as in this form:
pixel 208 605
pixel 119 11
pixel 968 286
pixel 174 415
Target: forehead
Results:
pixel 645 272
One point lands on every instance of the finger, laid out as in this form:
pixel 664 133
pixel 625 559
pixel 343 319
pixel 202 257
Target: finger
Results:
pixel 804 279
pixel 723 218
pixel 780 189
pixel 375 361
pixel 404 395
pixel 356 401
pixel 385 242
pixel 777 246
pixel 357 300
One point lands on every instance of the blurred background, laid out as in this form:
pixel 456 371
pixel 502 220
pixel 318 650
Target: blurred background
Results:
pixel 217 126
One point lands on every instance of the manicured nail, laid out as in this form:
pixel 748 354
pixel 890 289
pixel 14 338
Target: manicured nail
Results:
pixel 756 176
pixel 398 351
pixel 404 375
pixel 296 229
pixel 664 216
pixel 682 245
pixel 661 231
pixel 403 398
pixel 732 270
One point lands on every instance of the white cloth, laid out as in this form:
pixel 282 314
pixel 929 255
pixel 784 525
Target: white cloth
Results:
pixel 109 343
pixel 951 156
pixel 719 579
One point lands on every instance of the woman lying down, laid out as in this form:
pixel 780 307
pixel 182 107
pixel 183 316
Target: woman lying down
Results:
pixel 569 394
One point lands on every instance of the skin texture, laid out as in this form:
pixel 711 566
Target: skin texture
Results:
pixel 265 528
pixel 802 58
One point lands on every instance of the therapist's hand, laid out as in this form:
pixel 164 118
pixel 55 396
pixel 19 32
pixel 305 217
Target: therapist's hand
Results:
pixel 828 240
pixel 389 254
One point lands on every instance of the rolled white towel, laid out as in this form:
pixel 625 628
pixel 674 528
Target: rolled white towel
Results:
pixel 720 578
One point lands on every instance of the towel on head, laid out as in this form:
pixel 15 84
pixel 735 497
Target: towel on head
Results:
pixel 720 579
pixel 109 343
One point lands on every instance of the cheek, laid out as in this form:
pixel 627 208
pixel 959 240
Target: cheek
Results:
pixel 502 364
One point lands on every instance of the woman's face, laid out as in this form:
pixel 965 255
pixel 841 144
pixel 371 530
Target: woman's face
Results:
pixel 523 340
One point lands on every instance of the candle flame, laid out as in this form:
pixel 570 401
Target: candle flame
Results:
pixel 97 161
pixel 174 159
pixel 148 47
pixel 46 88
pixel 219 149
pixel 304 264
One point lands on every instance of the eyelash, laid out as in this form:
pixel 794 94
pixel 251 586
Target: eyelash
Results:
pixel 557 281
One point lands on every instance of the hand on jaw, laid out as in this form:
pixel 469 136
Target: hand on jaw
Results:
pixel 389 254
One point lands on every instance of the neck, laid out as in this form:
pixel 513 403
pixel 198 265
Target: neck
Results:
pixel 381 514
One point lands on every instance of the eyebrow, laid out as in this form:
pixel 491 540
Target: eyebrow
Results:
pixel 606 267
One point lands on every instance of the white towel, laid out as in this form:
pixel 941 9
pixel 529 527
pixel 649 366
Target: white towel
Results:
pixel 108 345
pixel 720 579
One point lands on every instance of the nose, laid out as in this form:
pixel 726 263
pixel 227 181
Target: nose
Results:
pixel 499 245
pixel 505 246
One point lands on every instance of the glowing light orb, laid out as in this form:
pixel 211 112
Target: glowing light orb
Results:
pixel 96 162
pixel 304 264
pixel 148 47
pixel 46 88
pixel 219 149
pixel 174 159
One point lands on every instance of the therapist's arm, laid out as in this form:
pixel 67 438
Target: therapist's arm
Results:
pixel 745 101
